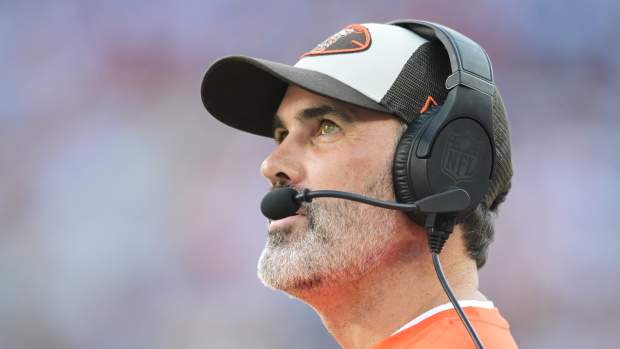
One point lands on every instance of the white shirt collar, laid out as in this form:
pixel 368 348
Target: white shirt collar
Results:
pixel 440 308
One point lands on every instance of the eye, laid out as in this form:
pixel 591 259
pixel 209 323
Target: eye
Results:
pixel 328 127
pixel 279 134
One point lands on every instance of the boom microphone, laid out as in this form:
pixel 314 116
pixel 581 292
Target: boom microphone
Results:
pixel 284 202
pixel 280 203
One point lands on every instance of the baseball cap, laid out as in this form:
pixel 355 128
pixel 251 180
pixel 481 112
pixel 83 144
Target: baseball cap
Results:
pixel 380 67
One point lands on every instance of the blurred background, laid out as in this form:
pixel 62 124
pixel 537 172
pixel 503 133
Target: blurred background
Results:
pixel 129 217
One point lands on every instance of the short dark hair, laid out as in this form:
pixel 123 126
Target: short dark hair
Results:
pixel 478 228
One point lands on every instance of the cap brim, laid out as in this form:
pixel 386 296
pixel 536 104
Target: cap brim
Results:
pixel 245 92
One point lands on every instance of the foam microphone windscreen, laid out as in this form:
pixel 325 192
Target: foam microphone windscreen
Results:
pixel 280 203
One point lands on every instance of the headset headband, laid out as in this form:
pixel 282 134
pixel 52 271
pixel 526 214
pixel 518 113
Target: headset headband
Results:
pixel 471 66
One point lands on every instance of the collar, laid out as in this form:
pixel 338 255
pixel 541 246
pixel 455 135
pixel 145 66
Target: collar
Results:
pixel 443 307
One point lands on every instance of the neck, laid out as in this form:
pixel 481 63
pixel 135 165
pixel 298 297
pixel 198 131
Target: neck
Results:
pixel 361 313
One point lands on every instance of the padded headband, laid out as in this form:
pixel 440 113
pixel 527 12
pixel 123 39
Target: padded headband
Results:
pixel 471 66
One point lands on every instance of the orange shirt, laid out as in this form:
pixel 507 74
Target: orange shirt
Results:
pixel 441 328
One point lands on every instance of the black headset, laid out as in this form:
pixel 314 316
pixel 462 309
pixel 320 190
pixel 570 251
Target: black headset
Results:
pixel 450 146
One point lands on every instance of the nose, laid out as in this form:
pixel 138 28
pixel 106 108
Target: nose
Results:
pixel 284 166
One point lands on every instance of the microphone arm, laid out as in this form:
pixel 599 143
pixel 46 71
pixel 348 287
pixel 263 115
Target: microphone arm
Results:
pixel 453 200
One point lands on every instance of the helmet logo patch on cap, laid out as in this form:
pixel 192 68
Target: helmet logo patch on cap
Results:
pixel 353 38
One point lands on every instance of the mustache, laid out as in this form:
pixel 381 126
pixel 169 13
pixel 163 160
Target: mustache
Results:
pixel 280 186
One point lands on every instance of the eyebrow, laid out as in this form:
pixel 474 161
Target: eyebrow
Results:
pixel 314 113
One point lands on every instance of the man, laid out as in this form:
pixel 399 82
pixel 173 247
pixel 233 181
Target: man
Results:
pixel 337 117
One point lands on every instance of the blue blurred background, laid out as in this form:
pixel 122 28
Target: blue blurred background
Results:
pixel 129 217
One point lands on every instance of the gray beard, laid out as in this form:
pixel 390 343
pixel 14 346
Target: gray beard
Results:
pixel 342 242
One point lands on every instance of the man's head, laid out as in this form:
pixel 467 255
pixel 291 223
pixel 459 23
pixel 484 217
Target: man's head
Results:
pixel 327 144
pixel 340 112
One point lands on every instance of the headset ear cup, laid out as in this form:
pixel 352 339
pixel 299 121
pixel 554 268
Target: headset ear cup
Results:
pixel 461 157
pixel 401 172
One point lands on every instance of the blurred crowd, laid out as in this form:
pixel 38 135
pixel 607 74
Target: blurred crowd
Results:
pixel 129 217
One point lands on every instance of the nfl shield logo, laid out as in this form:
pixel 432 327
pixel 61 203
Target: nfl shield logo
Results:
pixel 460 157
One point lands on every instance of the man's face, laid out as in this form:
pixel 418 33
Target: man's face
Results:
pixel 326 144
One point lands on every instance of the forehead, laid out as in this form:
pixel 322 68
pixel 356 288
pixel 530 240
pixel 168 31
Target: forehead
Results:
pixel 303 104
pixel 296 99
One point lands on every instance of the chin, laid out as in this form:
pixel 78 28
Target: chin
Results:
pixel 272 276
pixel 306 284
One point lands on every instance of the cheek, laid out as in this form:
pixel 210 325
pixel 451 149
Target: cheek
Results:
pixel 349 169
pixel 372 157
pixel 327 172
